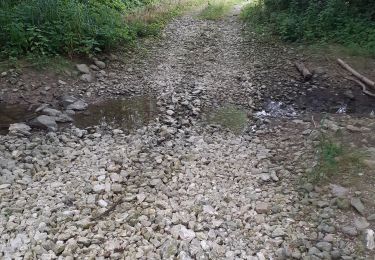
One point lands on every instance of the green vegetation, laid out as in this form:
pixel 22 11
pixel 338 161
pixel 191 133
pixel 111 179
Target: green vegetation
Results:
pixel 335 160
pixel 148 20
pixel 229 117
pixel 217 9
pixel 349 23
pixel 39 28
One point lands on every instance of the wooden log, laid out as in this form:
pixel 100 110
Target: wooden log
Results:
pixel 307 75
pixel 356 74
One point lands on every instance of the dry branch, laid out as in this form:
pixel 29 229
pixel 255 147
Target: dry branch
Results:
pixel 364 89
pixel 303 70
pixel 356 74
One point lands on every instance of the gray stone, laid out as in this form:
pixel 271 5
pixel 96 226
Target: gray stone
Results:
pixel 361 223
pixel 19 129
pixel 348 230
pixel 102 203
pixel 67 100
pixel 314 251
pixel 45 122
pixel 78 105
pixel 100 64
pixel 339 191
pixel 358 205
pixel 342 203
pixel 278 232
pixel 186 234
pixel 169 249
pixel 324 246
pixel 262 208
pixel 369 239
pixel 308 187
pixel 87 78
pixel 4 186
pixel 326 228
pixel 63 118
pixel 352 128
pixel 83 68
pixel 335 254
pixel 265 177
pixel 51 112
pixel 98 188
pixel 183 256
pixel 41 107
pixel 70 112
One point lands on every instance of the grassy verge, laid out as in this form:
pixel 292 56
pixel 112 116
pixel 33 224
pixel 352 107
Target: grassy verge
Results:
pixel 217 9
pixel 335 160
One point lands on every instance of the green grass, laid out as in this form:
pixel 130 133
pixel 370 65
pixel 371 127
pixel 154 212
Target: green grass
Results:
pixel 217 9
pixel 335 160
pixel 229 117
pixel 151 19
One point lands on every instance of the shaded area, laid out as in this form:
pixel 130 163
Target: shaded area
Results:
pixel 10 114
pixel 331 101
pixel 128 113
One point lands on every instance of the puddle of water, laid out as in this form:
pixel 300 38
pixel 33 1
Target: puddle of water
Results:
pixel 10 114
pixel 276 109
pixel 229 117
pixel 127 114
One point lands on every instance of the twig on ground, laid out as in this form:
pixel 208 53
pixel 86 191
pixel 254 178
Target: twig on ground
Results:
pixel 108 211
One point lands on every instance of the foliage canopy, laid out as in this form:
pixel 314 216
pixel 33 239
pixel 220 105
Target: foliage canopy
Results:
pixel 347 22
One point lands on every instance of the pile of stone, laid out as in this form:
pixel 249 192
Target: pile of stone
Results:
pixel 49 118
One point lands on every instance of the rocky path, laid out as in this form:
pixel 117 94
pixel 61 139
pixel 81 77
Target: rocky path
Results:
pixel 176 188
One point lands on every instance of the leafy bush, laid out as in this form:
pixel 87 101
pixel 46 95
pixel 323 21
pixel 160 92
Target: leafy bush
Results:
pixel 45 27
pixel 120 5
pixel 347 22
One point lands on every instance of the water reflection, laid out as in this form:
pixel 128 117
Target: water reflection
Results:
pixel 10 114
pixel 122 113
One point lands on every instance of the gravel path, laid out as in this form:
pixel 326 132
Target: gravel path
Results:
pixel 176 188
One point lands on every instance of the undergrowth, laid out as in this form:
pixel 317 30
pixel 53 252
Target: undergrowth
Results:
pixel 69 28
pixel 149 20
pixel 217 9
pixel 349 23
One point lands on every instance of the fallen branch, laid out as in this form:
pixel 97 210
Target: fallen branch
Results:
pixel 303 70
pixel 312 119
pixel 108 211
pixel 356 74
pixel 364 88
